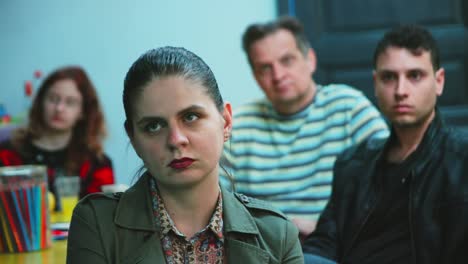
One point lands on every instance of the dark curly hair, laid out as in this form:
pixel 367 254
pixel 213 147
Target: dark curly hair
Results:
pixel 412 37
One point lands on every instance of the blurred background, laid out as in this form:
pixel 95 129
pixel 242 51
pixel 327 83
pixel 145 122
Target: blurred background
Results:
pixel 106 36
pixel 345 33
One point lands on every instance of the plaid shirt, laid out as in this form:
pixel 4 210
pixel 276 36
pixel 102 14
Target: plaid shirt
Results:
pixel 206 246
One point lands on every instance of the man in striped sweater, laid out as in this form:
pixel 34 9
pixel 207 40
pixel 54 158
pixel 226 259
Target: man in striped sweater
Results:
pixel 283 147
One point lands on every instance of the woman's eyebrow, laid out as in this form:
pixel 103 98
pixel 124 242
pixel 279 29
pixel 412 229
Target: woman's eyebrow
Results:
pixel 192 108
pixel 147 119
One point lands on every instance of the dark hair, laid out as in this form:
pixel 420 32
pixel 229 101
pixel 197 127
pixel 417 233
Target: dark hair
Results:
pixel 164 62
pixel 88 132
pixel 412 37
pixel 259 31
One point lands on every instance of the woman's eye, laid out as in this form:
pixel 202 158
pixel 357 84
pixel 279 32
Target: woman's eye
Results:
pixel 153 127
pixel 190 117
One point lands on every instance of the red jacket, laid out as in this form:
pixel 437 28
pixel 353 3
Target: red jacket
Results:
pixel 93 172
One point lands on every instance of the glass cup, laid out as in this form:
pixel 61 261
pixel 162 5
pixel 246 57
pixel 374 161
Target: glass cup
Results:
pixel 24 209
pixel 65 198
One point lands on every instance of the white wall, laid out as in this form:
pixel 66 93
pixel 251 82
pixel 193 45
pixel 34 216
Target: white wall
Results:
pixel 106 36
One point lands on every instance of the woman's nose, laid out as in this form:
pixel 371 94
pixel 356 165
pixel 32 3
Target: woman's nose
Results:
pixel 176 137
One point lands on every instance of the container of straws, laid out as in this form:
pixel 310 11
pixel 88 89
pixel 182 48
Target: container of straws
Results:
pixel 24 212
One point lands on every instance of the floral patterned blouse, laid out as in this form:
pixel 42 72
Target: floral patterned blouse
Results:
pixel 206 246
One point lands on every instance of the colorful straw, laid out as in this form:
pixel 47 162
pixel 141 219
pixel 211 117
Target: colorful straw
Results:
pixel 5 229
pixel 37 196
pixel 22 230
pixel 44 216
pixel 24 223
pixel 29 194
pixel 11 222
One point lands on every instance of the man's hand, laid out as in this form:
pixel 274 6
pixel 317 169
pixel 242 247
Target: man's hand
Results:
pixel 305 227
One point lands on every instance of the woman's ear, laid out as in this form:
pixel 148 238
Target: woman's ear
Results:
pixel 227 116
pixel 128 129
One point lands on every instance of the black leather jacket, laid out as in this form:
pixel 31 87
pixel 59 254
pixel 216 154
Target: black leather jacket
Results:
pixel 438 205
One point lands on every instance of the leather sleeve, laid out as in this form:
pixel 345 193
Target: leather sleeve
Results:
pixel 324 240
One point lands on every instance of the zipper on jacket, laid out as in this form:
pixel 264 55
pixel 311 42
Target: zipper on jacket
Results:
pixel 410 209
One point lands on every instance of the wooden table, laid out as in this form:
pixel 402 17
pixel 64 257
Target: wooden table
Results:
pixel 56 254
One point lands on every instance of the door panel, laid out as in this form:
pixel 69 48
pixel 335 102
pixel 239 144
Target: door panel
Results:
pixel 344 35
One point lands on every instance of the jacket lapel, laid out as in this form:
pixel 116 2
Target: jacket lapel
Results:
pixel 133 214
pixel 135 207
pixel 241 233
pixel 236 216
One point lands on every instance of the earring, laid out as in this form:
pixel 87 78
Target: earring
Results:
pixel 227 134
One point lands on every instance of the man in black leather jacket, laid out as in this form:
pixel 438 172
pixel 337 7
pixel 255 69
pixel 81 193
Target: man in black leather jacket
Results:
pixel 405 199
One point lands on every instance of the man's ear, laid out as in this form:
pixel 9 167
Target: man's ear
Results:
pixel 440 81
pixel 374 78
pixel 312 60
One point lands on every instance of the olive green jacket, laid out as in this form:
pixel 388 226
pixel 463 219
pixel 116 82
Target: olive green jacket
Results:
pixel 119 229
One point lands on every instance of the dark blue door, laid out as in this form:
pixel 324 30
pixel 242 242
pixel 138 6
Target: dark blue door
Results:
pixel 344 34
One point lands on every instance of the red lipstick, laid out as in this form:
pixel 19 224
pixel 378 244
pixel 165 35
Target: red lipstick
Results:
pixel 56 118
pixel 182 163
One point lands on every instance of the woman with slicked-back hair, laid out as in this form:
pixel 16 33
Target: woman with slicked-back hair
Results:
pixel 177 212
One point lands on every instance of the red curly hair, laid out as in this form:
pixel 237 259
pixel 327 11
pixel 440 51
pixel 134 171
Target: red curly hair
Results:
pixel 88 132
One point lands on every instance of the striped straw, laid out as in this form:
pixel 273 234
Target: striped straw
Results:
pixel 22 225
pixel 11 222
pixel 29 193
pixel 5 229
pixel 44 216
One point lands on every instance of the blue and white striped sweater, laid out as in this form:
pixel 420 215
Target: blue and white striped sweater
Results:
pixel 288 160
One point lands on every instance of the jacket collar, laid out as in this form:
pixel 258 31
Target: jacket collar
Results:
pixel 236 216
pixel 240 228
pixel 241 233
pixel 430 142
pixel 137 201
